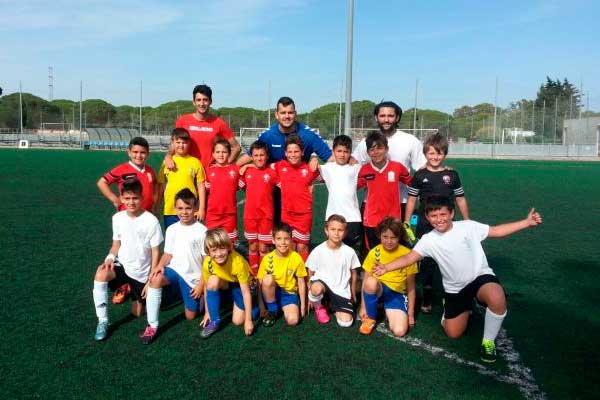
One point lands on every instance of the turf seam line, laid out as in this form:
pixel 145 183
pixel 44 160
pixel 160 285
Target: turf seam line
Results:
pixel 519 375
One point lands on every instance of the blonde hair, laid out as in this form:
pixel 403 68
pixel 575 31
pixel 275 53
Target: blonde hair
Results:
pixel 216 238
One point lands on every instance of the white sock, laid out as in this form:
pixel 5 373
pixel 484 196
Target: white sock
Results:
pixel 492 325
pixel 315 300
pixel 100 294
pixel 153 299
pixel 344 324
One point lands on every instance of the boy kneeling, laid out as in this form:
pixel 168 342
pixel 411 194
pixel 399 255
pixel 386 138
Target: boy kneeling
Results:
pixel 456 247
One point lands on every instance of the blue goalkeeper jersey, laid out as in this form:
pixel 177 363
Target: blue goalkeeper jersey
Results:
pixel 313 143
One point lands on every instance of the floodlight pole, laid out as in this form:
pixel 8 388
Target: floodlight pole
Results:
pixel 21 106
pixel 80 112
pixel 140 108
pixel 495 117
pixel 543 120
pixel 269 103
pixel 348 111
pixel 415 109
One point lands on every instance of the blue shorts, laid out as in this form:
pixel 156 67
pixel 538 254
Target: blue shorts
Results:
pixel 393 300
pixel 176 281
pixel 235 293
pixel 285 298
pixel 170 220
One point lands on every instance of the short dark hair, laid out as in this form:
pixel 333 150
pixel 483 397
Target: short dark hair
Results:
pixel 132 185
pixel 343 140
pixel 285 101
pixel 434 203
pixel 438 142
pixel 294 139
pixel 202 89
pixel 180 133
pixel 388 104
pixel 187 196
pixel 336 218
pixel 394 225
pixel 222 142
pixel 259 145
pixel 139 141
pixel 282 227
pixel 376 139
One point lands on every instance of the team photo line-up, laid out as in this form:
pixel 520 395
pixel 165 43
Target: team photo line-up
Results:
pixel 404 228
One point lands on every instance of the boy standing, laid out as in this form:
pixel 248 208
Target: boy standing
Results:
pixel 341 179
pixel 282 274
pixel 382 177
pixel 180 266
pixel 456 247
pixel 258 209
pixel 138 153
pixel 136 237
pixel 332 269
pixel 433 180
pixel 188 175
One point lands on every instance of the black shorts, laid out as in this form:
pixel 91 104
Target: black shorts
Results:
pixel 122 278
pixel 337 303
pixel 457 303
pixel 371 238
pixel 354 235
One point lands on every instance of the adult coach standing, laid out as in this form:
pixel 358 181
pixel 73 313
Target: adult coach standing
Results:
pixel 203 128
pixel 403 147
pixel 275 136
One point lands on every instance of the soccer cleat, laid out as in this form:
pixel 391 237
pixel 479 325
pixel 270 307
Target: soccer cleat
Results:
pixel 488 351
pixel 149 334
pixel 367 326
pixel 209 329
pixel 269 319
pixel 101 331
pixel 121 294
pixel 322 316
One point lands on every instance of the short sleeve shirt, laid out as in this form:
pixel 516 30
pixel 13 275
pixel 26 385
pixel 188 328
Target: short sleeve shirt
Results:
pixel 186 244
pixel 333 267
pixel 129 170
pixel 235 269
pixel 341 183
pixel 203 134
pixel 395 280
pixel 285 270
pixel 188 174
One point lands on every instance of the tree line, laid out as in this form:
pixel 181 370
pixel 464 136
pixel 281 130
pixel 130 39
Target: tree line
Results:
pixel 556 100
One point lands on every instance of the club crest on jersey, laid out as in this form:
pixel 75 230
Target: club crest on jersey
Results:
pixel 446 179
pixel 304 172
pixel 284 169
pixel 191 171
pixel 212 174
pixel 391 176
pixel 266 178
pixel 232 174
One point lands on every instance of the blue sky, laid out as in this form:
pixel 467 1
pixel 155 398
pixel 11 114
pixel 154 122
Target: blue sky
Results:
pixel 455 48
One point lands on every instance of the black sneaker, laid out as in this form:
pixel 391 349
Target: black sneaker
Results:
pixel 269 319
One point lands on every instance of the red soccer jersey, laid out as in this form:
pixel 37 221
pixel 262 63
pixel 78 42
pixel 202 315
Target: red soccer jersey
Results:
pixel 145 175
pixel 222 183
pixel 259 184
pixel 203 134
pixel 383 191
pixel 295 183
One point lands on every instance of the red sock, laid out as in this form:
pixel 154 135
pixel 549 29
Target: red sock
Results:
pixel 253 260
pixel 304 255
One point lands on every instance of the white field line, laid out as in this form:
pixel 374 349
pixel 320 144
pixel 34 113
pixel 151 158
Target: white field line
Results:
pixel 519 374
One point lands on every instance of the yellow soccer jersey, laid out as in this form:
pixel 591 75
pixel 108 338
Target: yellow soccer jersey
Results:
pixel 395 280
pixel 285 270
pixel 236 269
pixel 189 173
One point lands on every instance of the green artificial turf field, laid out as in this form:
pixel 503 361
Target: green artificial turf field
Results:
pixel 56 230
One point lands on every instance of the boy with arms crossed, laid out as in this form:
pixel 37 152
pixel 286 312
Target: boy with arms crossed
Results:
pixel 136 237
pixel 332 269
pixel 259 183
pixel 341 179
pixel 382 177
pixel 282 274
pixel 456 247
pixel 180 266
pixel 433 180
pixel 188 175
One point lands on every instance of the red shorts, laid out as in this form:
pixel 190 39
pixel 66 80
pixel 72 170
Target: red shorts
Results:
pixel 225 221
pixel 258 230
pixel 301 225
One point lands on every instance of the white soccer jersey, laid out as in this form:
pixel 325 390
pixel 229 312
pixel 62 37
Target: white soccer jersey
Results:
pixel 403 148
pixel 186 244
pixel 341 184
pixel 333 267
pixel 138 235
pixel 458 253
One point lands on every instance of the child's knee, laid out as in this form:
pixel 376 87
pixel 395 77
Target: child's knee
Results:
pixel 370 284
pixel 213 283
pixel 292 320
pixel 344 320
pixel 399 331
pixel 268 281
pixel 156 281
pixel 452 332
pixel 237 320
pixel 101 274
pixel 316 288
